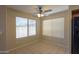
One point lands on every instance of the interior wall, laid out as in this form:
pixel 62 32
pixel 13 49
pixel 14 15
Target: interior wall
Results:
pixel 2 28
pixel 12 42
pixel 74 7
pixel 66 41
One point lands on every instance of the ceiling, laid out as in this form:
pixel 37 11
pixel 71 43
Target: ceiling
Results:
pixel 32 8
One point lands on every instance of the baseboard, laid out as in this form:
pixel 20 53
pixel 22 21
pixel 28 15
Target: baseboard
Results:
pixel 4 52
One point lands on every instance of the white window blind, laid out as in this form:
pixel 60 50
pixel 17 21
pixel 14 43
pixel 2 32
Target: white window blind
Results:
pixel 54 27
pixel 25 27
pixel 21 27
pixel 32 27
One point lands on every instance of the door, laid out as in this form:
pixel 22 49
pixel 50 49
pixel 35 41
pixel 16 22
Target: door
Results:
pixel 75 40
pixel 75 33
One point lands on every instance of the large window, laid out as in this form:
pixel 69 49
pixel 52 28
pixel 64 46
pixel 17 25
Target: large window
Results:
pixel 25 27
pixel 32 27
pixel 21 27
pixel 54 27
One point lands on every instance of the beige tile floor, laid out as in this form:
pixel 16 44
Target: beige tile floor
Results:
pixel 40 48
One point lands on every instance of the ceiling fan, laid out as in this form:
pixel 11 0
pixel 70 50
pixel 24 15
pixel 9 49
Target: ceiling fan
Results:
pixel 40 12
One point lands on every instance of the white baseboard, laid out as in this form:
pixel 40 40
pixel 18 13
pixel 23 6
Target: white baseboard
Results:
pixel 4 52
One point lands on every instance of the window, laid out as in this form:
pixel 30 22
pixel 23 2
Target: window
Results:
pixel 25 27
pixel 32 27
pixel 21 27
pixel 54 27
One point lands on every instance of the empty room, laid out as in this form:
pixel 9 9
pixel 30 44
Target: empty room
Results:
pixel 39 29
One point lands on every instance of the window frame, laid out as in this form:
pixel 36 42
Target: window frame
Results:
pixel 28 28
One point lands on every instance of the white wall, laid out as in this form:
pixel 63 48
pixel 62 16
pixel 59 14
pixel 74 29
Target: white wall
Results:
pixel 2 28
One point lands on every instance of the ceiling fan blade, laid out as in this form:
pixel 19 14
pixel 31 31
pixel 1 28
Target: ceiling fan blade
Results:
pixel 48 10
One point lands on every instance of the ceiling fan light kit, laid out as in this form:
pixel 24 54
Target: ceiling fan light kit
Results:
pixel 40 15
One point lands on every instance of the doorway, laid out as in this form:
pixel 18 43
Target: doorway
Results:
pixel 75 32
